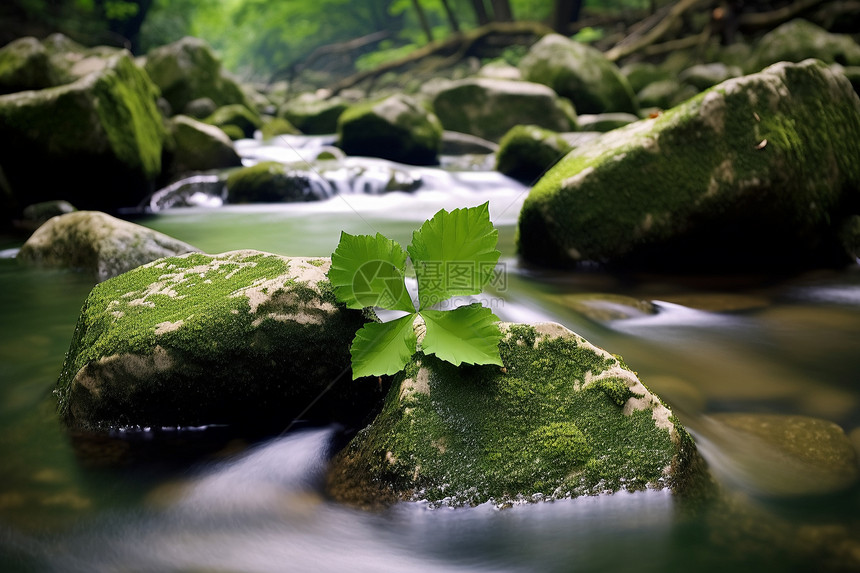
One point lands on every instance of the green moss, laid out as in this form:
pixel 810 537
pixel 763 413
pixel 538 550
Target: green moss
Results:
pixel 267 182
pixel 474 433
pixel 396 128
pixel 236 115
pixel 526 151
pixel 733 164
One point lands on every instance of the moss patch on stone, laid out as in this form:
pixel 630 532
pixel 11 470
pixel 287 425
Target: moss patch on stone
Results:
pixel 200 339
pixel 526 151
pixel 729 178
pixel 563 419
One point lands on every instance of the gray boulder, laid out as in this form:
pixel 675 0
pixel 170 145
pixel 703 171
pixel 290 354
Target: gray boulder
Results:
pixel 580 73
pixel 488 107
pixel 26 65
pixel 99 139
pixel 757 172
pixel 97 243
pixel 397 128
pixel 798 40
pixel 562 419
pixel 313 115
pixel 238 338
pixel 187 70
pixel 665 94
pixel 197 146
pixel 703 76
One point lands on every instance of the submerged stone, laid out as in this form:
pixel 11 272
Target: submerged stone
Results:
pixel 756 172
pixel 562 419
pixel 243 337
pixel 97 243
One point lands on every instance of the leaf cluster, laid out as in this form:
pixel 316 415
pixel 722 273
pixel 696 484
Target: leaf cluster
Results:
pixel 453 254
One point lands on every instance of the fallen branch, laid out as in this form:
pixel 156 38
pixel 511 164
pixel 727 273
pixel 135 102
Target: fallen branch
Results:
pixel 453 49
pixel 758 20
pixel 327 50
pixel 625 48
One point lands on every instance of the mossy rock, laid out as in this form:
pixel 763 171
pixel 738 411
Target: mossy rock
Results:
pixel 562 419
pixel 236 115
pixel 275 126
pixel 489 108
pixel 98 244
pixel 704 76
pixel 665 94
pixel 752 173
pixel 580 73
pixel 99 139
pixel 187 69
pixel 640 74
pixel 198 146
pixel 527 151
pixel 312 115
pixel 244 337
pixel 273 182
pixel 26 65
pixel 397 128
pixel 603 122
pixel 200 108
pixel 799 40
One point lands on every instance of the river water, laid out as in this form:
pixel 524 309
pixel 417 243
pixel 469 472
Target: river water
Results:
pixel 708 345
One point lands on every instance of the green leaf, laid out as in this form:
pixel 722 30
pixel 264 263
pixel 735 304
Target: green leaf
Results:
pixel 381 348
pixel 466 334
pixel 454 253
pixel 368 270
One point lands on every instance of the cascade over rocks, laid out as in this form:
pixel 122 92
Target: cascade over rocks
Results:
pixel 244 337
pixel 564 418
pixel 757 172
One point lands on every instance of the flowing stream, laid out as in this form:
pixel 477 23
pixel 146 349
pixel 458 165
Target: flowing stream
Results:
pixel 707 345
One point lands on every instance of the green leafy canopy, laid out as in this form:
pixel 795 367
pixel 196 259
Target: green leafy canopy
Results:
pixel 454 254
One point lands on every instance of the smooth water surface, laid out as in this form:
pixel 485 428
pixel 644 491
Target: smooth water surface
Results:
pixel 787 345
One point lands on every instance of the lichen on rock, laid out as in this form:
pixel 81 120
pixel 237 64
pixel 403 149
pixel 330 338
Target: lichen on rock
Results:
pixel 243 337
pixel 564 418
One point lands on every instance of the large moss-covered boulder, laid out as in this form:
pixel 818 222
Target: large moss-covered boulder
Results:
pixel 26 65
pixel 800 39
pixel 98 139
pixel 243 337
pixel 187 69
pixel 580 73
pixel 489 107
pixel 97 243
pixel 313 115
pixel 562 419
pixel 397 128
pixel 756 172
pixel 197 146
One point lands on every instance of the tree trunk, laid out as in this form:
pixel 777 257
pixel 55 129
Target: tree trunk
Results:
pixel 565 13
pixel 480 12
pixel 422 18
pixel 452 17
pixel 502 11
